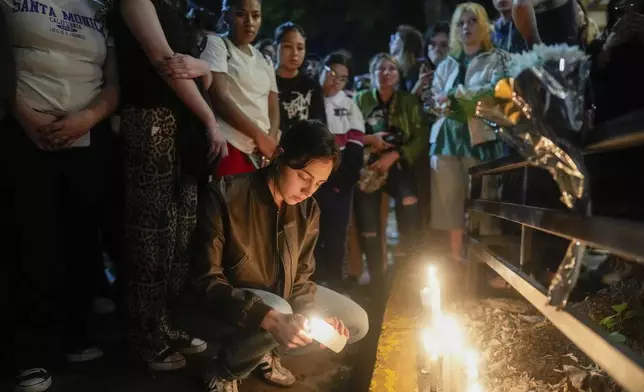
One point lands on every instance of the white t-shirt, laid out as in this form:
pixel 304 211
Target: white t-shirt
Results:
pixel 60 48
pixel 250 80
pixel 344 118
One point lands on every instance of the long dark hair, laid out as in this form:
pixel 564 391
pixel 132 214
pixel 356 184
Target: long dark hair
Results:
pixel 304 142
pixel 413 47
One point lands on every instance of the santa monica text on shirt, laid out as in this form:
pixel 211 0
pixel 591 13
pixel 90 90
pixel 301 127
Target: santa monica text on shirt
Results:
pixel 68 20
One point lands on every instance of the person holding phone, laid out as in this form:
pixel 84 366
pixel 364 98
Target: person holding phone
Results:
pixel 244 89
pixel 251 288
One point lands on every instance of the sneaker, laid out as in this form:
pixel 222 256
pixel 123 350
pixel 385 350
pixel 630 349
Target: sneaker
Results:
pixel 189 346
pixel 274 373
pixel 84 355
pixel 221 385
pixel 167 360
pixel 33 380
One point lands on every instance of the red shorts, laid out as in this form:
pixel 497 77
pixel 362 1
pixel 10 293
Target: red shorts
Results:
pixel 235 163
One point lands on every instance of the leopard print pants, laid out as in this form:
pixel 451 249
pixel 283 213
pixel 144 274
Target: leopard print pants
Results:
pixel 160 215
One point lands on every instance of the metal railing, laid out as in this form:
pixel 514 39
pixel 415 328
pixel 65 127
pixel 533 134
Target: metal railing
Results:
pixel 620 237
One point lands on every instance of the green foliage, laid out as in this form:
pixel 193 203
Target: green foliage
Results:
pixel 614 322
pixel 616 337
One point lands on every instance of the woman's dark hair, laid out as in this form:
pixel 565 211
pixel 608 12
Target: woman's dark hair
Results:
pixel 413 46
pixel 226 5
pixel 262 44
pixel 303 142
pixel 339 57
pixel 285 28
pixel 441 27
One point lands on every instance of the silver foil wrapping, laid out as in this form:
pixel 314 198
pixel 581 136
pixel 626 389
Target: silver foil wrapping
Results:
pixel 540 114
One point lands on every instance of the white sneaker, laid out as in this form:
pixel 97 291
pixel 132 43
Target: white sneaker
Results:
pixel 88 354
pixel 190 346
pixel 167 360
pixel 274 373
pixel 33 380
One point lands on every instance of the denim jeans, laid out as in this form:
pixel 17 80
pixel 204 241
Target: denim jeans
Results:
pixel 331 248
pixel 400 185
pixel 239 352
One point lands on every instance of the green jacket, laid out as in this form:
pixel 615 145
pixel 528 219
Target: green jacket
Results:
pixel 408 116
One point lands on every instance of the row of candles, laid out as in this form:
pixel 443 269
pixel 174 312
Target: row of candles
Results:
pixel 451 364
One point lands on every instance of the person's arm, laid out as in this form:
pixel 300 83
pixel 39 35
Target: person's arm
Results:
pixel 418 132
pixel 107 101
pixel 142 20
pixel 273 103
pixel 7 67
pixel 240 307
pixel 274 114
pixel 304 288
pixel 523 16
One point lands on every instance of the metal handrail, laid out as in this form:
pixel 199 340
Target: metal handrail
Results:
pixel 621 237
pixel 622 364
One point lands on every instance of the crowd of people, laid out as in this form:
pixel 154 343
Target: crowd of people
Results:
pixel 231 180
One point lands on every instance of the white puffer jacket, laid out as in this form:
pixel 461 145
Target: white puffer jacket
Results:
pixel 482 72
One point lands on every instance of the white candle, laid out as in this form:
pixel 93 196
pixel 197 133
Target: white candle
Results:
pixel 324 333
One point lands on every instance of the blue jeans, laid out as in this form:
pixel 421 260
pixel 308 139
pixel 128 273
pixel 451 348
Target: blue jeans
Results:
pixel 239 352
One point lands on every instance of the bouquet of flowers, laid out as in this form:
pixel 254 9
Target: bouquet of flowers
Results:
pixel 539 111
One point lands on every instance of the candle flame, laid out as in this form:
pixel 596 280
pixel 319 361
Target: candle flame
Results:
pixel 435 289
pixel 471 360
pixel 445 337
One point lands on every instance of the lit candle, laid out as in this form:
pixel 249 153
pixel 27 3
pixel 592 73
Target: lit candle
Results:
pixel 471 367
pixel 324 333
pixel 435 291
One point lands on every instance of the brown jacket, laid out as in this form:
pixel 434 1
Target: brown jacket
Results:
pixel 234 247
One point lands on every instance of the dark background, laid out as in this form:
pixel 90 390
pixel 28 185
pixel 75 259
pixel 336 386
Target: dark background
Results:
pixel 362 27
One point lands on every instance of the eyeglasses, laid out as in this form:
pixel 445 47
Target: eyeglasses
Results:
pixel 339 78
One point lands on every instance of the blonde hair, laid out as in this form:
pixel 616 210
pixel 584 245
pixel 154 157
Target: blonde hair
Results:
pixel 377 59
pixel 483 22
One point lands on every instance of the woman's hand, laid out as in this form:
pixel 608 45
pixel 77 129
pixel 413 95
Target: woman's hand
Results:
pixel 218 147
pixel 385 162
pixel 424 80
pixel 338 325
pixel 266 145
pixel 289 330
pixel 377 142
pixel 32 122
pixel 65 131
pixel 183 66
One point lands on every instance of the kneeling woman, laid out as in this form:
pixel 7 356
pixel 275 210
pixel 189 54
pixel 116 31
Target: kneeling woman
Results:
pixel 253 259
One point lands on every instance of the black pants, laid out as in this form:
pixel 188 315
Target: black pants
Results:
pixel 51 202
pixel 400 184
pixel 335 214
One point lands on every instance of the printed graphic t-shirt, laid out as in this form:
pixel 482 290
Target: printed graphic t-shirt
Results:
pixel 250 80
pixel 59 47
pixel 300 99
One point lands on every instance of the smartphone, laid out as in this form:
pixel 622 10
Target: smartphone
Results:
pixel 426 62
